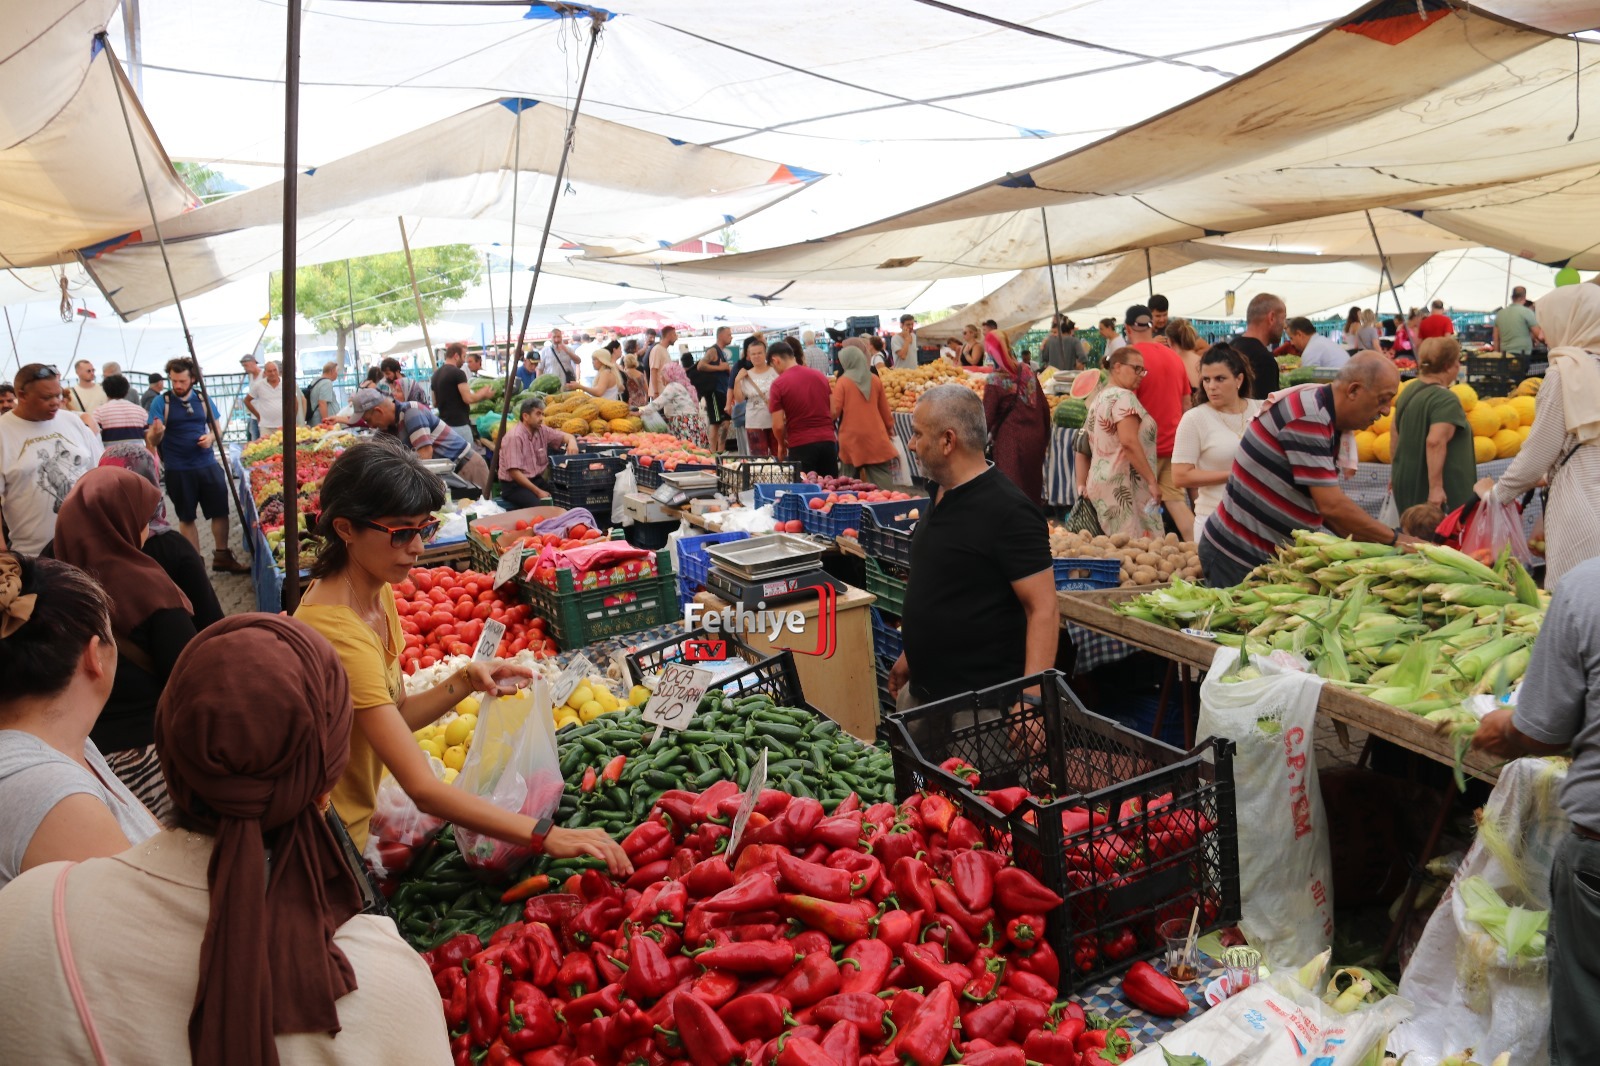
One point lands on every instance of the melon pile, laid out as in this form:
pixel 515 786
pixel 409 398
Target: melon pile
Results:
pixel 1500 424
pixel 580 414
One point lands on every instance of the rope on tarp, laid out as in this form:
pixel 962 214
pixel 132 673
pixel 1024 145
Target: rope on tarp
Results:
pixel 155 223
pixel 596 21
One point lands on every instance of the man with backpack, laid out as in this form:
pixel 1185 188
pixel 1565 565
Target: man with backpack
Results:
pixel 180 427
pixel 320 402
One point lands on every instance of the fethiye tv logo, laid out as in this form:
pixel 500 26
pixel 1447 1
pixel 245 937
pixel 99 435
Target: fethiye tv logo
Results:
pixel 768 622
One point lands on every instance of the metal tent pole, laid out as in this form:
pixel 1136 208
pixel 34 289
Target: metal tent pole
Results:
pixel 1050 263
pixel 417 296
pixel 291 185
pixel 350 295
pixel 166 262
pixel 1383 267
pixel 596 20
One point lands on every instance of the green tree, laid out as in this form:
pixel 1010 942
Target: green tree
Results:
pixel 202 180
pixel 377 290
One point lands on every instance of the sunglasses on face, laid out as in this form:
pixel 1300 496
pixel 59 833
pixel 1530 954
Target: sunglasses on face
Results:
pixel 400 536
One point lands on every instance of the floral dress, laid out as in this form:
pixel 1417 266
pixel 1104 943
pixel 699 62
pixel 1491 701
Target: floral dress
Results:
pixel 1122 501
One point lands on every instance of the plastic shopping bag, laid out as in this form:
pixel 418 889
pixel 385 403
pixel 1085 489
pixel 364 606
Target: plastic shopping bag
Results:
pixel 1467 991
pixel 1280 1023
pixel 620 488
pixel 397 830
pixel 1491 529
pixel 514 765
pixel 1285 873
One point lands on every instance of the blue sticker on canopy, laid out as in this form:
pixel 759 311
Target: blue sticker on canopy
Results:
pixel 547 12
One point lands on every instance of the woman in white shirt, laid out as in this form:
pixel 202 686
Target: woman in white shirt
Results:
pixel 1208 435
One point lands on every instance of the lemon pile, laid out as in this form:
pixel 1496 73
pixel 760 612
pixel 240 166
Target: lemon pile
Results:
pixel 591 699
pixel 449 739
pixel 1500 425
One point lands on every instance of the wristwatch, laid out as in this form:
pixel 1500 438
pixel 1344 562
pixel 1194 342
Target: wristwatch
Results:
pixel 541 829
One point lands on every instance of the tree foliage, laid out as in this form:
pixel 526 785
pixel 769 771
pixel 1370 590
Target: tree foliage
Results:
pixel 378 291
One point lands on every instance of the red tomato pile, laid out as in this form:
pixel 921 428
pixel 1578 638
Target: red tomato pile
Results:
pixel 442 612
pixel 577 536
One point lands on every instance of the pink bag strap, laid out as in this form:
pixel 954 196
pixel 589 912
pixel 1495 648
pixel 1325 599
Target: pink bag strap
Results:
pixel 74 985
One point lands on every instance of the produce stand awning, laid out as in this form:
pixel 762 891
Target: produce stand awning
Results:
pixel 1094 611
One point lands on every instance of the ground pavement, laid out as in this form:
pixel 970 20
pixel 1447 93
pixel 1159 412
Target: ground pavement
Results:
pixel 235 592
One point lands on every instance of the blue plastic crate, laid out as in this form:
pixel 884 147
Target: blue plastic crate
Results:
pixel 1081 575
pixel 769 492
pixel 886 529
pixel 694 563
pixel 832 524
pixel 886 643
pixel 790 507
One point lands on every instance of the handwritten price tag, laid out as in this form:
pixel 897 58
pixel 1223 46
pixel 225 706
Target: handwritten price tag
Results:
pixel 758 781
pixel 490 640
pixel 509 563
pixel 579 670
pixel 677 696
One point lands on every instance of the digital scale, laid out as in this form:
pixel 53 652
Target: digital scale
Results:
pixel 677 489
pixel 771 568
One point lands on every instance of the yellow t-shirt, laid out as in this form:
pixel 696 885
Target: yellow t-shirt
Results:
pixel 375 680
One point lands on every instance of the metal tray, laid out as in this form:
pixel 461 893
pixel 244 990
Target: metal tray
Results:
pixel 766 555
pixel 441 467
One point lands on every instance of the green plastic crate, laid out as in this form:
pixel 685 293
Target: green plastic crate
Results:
pixel 888 585
pixel 578 618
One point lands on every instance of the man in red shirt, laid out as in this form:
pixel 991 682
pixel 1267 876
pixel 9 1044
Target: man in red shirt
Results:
pixel 802 413
pixel 1437 324
pixel 1165 394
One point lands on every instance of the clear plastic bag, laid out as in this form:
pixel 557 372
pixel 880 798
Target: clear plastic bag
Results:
pixel 397 829
pixel 1492 528
pixel 513 764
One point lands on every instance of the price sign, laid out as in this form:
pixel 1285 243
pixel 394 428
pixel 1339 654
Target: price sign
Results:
pixel 579 670
pixel 619 663
pixel 677 696
pixel 489 641
pixel 758 781
pixel 509 562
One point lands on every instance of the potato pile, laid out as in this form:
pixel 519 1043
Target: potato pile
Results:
pixel 1145 561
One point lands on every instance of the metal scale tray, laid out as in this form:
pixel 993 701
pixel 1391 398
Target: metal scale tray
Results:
pixel 767 556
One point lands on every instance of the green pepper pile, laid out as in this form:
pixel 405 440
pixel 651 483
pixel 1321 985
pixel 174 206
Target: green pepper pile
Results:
pixel 614 777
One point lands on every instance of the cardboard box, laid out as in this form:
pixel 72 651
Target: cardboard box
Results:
pixel 641 507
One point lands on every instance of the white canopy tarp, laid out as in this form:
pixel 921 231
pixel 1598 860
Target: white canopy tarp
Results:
pixel 453 181
pixel 68 177
pixel 1451 112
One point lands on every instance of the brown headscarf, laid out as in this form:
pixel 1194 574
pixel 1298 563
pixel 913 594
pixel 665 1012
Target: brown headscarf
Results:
pixel 253 757
pixel 99 530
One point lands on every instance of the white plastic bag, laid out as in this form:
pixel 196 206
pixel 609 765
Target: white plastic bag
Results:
pixel 1279 1023
pixel 620 488
pixel 1285 874
pixel 514 765
pixel 900 469
pixel 751 520
pixel 1468 994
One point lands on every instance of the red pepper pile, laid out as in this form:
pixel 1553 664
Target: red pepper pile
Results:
pixel 1109 850
pixel 884 936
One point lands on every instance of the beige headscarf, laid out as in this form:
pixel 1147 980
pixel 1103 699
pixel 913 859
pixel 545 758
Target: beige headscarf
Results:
pixel 1570 317
pixel 853 356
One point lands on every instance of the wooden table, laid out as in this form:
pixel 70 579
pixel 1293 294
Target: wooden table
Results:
pixel 1093 610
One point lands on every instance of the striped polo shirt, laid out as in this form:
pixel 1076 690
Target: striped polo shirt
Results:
pixel 120 420
pixel 1290 448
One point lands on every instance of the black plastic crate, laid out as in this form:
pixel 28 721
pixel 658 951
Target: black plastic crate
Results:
pixel 649 477
pixel 886 529
pixel 596 500
pixel 776 675
pixel 742 473
pixel 595 447
pixel 886 704
pixel 585 472
pixel 888 583
pixel 1069 757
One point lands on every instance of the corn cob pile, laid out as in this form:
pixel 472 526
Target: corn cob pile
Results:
pixel 1418 630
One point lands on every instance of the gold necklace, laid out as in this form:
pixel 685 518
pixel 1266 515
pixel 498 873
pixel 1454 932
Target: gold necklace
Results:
pixel 383 634
pixel 1243 413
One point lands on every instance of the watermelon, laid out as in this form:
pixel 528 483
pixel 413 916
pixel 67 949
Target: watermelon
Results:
pixel 1086 382
pixel 1071 412
pixel 548 384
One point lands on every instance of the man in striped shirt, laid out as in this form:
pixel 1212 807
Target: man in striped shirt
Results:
pixel 119 418
pixel 1285 476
